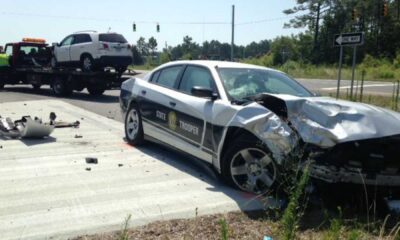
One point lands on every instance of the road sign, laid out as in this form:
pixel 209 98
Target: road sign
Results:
pixel 349 39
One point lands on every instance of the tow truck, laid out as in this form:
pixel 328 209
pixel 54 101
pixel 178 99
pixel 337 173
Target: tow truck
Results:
pixel 28 62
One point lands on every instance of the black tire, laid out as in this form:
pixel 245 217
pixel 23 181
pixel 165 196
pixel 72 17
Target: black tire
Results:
pixel 96 91
pixel 1 84
pixel 36 86
pixel 133 138
pixel 87 63
pixel 121 70
pixel 53 62
pixel 253 166
pixel 61 87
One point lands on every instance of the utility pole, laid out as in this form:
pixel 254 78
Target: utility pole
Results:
pixel 233 31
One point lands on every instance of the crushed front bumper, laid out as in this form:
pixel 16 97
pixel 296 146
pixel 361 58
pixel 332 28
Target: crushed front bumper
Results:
pixel 331 174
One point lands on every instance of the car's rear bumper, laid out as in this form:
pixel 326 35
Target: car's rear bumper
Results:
pixel 114 61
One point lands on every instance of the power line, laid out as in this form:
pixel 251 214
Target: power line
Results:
pixel 263 20
pixel 59 16
pixel 141 22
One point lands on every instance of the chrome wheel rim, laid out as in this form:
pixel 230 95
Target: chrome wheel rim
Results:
pixel 253 170
pixel 87 63
pixel 132 124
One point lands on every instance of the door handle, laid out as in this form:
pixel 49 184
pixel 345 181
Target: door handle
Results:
pixel 143 92
pixel 173 104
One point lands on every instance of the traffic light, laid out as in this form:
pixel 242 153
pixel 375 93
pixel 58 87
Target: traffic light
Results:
pixel 158 27
pixel 134 27
pixel 384 10
pixel 354 14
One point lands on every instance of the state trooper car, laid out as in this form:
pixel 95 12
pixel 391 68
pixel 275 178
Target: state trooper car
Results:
pixel 247 121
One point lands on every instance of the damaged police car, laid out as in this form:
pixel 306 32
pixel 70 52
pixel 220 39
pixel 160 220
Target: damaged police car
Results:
pixel 248 121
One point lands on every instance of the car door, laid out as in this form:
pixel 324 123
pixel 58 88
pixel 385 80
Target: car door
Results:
pixel 195 113
pixel 62 52
pixel 154 100
pixel 81 44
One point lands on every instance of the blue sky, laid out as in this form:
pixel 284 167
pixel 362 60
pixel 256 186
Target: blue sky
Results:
pixel 54 19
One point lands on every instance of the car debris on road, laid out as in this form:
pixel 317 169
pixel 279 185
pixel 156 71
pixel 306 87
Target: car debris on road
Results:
pixel 26 127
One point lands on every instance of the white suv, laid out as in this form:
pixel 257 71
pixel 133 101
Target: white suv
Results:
pixel 93 51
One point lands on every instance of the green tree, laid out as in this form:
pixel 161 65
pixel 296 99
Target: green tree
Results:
pixel 152 45
pixel 142 46
pixel 283 49
pixel 308 14
pixel 137 57
pixel 165 56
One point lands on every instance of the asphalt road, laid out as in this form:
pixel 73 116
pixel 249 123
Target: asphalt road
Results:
pixel 107 105
pixel 370 87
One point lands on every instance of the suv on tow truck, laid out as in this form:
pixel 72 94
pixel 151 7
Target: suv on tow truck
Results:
pixel 90 50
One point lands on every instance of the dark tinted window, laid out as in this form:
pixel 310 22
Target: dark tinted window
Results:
pixel 154 77
pixel 196 76
pixel 168 76
pixel 112 37
pixel 82 38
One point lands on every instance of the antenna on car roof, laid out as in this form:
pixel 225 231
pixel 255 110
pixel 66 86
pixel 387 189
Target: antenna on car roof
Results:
pixel 86 31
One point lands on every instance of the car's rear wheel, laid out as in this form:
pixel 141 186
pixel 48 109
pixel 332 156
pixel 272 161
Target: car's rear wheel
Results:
pixel 61 87
pixel 250 168
pixel 53 62
pixel 87 63
pixel 95 90
pixel 121 70
pixel 133 126
pixel 36 86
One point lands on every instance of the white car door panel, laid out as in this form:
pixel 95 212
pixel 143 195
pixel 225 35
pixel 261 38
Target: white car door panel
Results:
pixel 62 52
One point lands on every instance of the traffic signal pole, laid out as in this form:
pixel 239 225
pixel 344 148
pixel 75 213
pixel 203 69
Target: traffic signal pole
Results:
pixel 233 31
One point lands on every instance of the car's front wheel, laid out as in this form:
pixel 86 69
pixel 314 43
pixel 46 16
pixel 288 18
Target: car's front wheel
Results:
pixel 250 168
pixel 133 126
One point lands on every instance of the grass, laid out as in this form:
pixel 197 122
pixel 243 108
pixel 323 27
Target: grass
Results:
pixel 124 235
pixel 141 67
pixel 294 210
pixel 224 229
pixel 377 100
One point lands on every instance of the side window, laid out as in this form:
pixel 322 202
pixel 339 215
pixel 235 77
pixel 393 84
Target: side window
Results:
pixel 196 76
pixel 9 50
pixel 67 41
pixel 168 76
pixel 82 38
pixel 154 77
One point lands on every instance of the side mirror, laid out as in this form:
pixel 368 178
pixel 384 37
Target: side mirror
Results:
pixel 54 44
pixel 204 92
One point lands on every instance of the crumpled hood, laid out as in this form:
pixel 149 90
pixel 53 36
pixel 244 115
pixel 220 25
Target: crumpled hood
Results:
pixel 326 121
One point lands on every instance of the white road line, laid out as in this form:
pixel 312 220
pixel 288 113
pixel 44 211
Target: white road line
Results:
pixel 348 87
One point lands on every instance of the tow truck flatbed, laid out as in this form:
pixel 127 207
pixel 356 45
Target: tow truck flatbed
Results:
pixel 34 69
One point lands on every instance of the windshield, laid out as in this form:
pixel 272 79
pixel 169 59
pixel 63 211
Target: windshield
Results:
pixel 112 37
pixel 241 83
